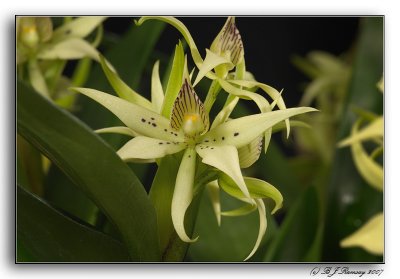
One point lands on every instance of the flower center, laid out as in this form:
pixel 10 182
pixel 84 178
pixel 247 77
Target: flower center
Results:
pixel 192 124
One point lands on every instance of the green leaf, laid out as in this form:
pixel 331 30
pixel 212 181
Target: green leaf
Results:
pixel 298 230
pixel 161 192
pixel 50 236
pixel 94 167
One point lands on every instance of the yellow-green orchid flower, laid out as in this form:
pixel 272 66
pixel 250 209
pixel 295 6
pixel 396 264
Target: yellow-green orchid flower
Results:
pixel 330 77
pixel 37 41
pixel 370 236
pixel 226 53
pixel 188 131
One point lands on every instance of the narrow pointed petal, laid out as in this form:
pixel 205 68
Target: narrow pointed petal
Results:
pixel 175 81
pixel 139 119
pixel 263 226
pixel 226 159
pixel 229 41
pixel 372 130
pixel 370 170
pixel 369 236
pixel 72 48
pixel 157 93
pixel 183 30
pixel 45 28
pixel 272 92
pixel 213 192
pixel 258 189
pixel 241 131
pixel 381 85
pixel 244 210
pixel 261 102
pixel 224 114
pixel 37 79
pixel 78 28
pixel 121 88
pixel 148 148
pixel 122 130
pixel 250 153
pixel 211 61
pixel 188 112
pixel 183 193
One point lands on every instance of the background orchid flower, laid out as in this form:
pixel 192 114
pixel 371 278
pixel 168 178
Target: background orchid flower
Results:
pixel 330 76
pixel 37 41
pixel 188 130
pixel 370 236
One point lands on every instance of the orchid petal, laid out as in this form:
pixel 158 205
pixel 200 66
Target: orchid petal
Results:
pixel 148 148
pixel 139 119
pixel 188 104
pixel 373 130
pixel 261 102
pixel 122 130
pixel 78 28
pixel 241 131
pixel 381 85
pixel 224 114
pixel 121 88
pixel 45 28
pixel 226 159
pixel 263 226
pixel 211 61
pixel 213 191
pixel 37 79
pixel 369 236
pixel 229 41
pixel 175 81
pixel 244 210
pixel 272 92
pixel 72 48
pixel 258 189
pixel 250 153
pixel 371 171
pixel 183 193
pixel 157 93
pixel 182 29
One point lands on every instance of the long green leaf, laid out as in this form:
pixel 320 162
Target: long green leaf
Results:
pixel 48 235
pixel 92 166
pixel 298 230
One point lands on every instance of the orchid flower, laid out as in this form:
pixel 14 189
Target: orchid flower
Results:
pixel 226 53
pixel 330 77
pixel 370 235
pixel 37 41
pixel 226 145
